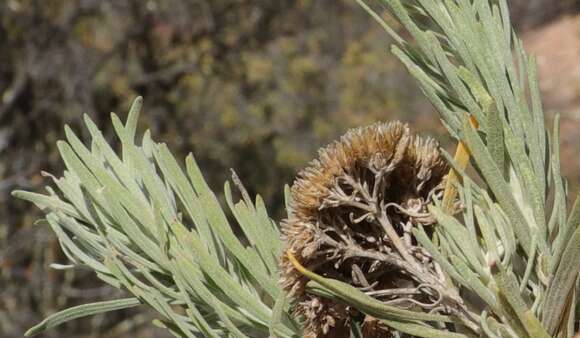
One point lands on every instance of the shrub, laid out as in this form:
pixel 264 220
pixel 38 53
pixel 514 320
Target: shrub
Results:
pixel 381 239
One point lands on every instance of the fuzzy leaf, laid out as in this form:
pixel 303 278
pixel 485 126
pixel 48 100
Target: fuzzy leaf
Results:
pixel 81 311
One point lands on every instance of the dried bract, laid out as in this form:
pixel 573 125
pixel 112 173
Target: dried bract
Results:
pixel 351 216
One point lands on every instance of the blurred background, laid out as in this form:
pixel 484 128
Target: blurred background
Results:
pixel 255 85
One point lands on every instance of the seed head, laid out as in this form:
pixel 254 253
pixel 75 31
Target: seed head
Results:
pixel 333 228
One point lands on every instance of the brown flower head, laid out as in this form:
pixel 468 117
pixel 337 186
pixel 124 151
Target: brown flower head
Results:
pixel 347 207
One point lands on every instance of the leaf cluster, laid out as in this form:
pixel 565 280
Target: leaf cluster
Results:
pixel 512 245
pixel 146 226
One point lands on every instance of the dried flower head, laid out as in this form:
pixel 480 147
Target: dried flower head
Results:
pixel 351 216
pixel 323 318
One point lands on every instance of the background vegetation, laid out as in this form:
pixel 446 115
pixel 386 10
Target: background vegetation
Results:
pixel 254 85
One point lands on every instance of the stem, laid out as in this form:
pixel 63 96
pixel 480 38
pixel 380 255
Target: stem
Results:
pixel 394 237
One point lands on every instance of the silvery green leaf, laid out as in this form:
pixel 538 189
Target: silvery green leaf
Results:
pixel 81 311
pixel 421 330
pixel 562 284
